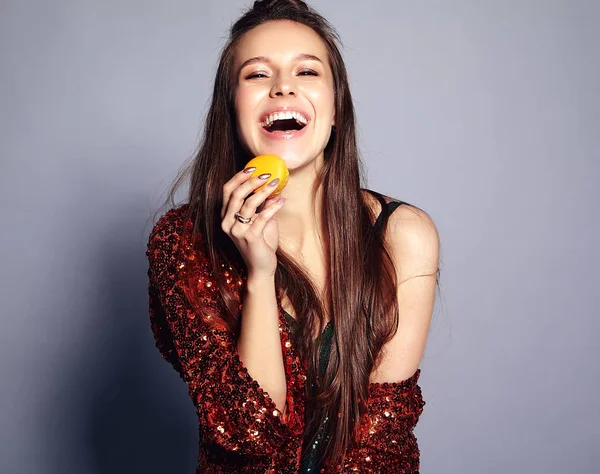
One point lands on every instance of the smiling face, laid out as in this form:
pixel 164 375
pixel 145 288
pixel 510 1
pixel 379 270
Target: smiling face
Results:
pixel 284 96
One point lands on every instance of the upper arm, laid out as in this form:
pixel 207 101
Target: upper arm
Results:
pixel 413 241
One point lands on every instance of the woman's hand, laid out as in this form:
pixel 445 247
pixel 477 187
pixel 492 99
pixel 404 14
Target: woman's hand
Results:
pixel 258 240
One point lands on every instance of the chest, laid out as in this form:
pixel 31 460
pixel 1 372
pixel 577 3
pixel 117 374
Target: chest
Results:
pixel 315 268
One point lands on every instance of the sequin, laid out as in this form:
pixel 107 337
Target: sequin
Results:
pixel 241 429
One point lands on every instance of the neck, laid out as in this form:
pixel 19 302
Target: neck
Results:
pixel 300 229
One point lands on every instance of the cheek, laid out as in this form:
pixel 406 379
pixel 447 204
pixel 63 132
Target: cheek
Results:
pixel 241 105
pixel 246 104
pixel 326 110
pixel 243 113
pixel 326 100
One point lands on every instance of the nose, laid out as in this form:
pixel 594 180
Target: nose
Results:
pixel 283 87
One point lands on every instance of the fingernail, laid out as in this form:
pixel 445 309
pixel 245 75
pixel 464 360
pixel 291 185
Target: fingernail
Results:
pixel 281 200
pixel 274 182
pixel 264 176
pixel 249 170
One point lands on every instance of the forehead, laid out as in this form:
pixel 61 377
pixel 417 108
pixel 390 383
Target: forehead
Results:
pixel 280 40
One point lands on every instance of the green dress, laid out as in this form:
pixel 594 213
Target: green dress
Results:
pixel 309 462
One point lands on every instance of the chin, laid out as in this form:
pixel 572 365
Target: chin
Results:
pixel 294 159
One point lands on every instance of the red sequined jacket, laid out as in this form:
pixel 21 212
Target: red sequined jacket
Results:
pixel 241 430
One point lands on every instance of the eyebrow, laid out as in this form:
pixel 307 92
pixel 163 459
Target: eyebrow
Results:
pixel 264 59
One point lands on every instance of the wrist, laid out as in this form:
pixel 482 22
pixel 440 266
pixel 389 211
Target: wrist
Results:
pixel 260 282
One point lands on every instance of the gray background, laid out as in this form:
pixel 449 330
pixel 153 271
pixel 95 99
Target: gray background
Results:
pixel 484 113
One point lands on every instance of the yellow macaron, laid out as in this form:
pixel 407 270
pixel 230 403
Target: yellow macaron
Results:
pixel 270 164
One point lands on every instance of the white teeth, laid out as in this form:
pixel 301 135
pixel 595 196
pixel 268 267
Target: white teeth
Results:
pixel 284 116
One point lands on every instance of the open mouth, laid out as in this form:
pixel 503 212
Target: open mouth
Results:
pixel 284 122
pixel 285 125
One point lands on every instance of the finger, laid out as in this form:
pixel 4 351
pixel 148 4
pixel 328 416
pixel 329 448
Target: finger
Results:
pixel 261 220
pixel 268 202
pixel 252 203
pixel 239 229
pixel 236 199
pixel 228 188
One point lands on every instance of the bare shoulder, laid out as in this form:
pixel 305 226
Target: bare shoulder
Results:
pixel 414 241
pixel 406 222
pixel 413 223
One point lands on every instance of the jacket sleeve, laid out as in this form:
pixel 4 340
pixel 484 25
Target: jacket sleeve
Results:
pixel 386 439
pixel 160 327
pixel 234 411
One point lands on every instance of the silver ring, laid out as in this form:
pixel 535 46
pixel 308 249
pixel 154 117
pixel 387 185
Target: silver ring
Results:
pixel 242 219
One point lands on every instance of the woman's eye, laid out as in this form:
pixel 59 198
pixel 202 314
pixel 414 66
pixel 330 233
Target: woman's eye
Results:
pixel 307 72
pixel 256 75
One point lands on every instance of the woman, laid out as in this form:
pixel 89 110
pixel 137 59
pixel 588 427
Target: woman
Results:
pixel 297 322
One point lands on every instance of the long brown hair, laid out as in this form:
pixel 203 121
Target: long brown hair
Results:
pixel 361 291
